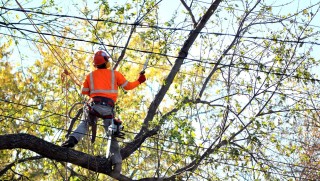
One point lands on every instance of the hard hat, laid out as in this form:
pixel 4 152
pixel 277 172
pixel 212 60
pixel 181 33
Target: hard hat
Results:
pixel 100 57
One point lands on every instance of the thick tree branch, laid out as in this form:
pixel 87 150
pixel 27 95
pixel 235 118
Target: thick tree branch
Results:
pixel 52 151
pixel 144 132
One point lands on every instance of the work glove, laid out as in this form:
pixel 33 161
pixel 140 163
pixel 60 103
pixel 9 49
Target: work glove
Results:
pixel 142 78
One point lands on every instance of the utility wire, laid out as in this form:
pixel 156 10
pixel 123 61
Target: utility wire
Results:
pixel 54 52
pixel 210 62
pixel 192 59
pixel 116 22
pixel 173 152
pixel 265 71
pixel 158 67
pixel 53 113
pixel 180 143
pixel 163 28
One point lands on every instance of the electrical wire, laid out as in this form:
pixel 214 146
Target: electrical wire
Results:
pixel 171 141
pixel 297 42
pixel 200 61
pixel 173 152
pixel 163 28
pixel 52 49
pixel 311 79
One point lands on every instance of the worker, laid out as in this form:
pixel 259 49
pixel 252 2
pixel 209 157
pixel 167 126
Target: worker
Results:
pixel 101 85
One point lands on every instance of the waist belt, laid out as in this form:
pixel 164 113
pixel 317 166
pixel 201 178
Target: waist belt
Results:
pixel 102 101
pixel 95 113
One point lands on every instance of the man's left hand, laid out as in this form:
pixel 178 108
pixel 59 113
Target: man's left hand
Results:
pixel 142 78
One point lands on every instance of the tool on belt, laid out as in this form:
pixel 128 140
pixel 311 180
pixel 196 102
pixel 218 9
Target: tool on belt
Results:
pixel 114 129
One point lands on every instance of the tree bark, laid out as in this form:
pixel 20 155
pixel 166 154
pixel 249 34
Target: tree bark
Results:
pixel 49 150
pixel 52 151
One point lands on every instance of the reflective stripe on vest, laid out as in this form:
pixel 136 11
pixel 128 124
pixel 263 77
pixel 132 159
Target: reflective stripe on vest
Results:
pixel 124 84
pixel 112 90
pixel 85 89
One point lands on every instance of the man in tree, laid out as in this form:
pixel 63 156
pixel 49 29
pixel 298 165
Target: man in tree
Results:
pixel 101 85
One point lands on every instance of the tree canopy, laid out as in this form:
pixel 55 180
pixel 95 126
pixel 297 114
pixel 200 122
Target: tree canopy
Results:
pixel 232 90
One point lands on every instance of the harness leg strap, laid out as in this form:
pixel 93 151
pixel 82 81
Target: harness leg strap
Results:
pixel 73 120
pixel 94 132
pixel 70 127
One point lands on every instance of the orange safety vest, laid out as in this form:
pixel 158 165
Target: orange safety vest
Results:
pixel 105 82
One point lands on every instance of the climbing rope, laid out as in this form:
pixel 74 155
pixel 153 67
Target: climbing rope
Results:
pixel 67 69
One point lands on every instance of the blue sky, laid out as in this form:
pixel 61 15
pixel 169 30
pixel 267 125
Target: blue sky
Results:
pixel 71 8
pixel 167 8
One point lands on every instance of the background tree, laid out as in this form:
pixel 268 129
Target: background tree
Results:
pixel 231 93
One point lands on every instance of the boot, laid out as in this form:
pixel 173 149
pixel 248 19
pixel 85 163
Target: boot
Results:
pixel 115 173
pixel 71 142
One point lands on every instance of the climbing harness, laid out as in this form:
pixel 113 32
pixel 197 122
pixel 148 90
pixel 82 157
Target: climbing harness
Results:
pixel 99 107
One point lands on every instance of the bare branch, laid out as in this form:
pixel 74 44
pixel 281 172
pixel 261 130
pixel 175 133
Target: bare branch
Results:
pixel 236 38
pixel 9 166
pixel 190 13
pixel 133 28
pixel 144 132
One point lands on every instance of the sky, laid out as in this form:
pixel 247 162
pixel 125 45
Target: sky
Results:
pixel 166 9
pixel 70 8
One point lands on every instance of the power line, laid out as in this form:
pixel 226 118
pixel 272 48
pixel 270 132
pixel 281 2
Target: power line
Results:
pixel 198 147
pixel 234 65
pixel 62 129
pixel 32 106
pixel 54 113
pixel 171 56
pixel 276 17
pixel 163 28
pixel 190 59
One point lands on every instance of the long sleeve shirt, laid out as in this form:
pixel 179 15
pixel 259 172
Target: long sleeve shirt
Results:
pixel 105 83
